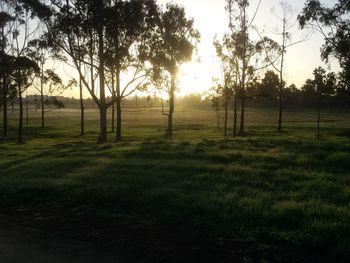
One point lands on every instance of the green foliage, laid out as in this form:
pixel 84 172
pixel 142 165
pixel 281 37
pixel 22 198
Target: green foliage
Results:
pixel 337 39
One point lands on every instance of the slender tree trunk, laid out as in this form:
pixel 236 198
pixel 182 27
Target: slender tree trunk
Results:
pixel 241 130
pixel 171 107
pixel 280 115
pixel 27 110
pixel 42 98
pixel 113 118
pixel 20 121
pixel 13 107
pixel 82 110
pixel 226 113
pixel 5 125
pixel 280 89
pixel 113 104
pixel 318 117
pixel 103 106
pixel 244 69
pixel 118 136
pixel 235 106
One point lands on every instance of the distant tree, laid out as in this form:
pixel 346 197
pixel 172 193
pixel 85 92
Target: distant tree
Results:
pixel 216 100
pixel 268 88
pixel 38 50
pixel 173 44
pixel 226 51
pixel 318 91
pixel 333 23
pixel 24 74
pixel 288 21
pixel 250 55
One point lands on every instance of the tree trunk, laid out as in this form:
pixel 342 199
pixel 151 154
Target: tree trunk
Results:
pixel 113 118
pixel 113 104
pixel 102 107
pixel 42 99
pixel 20 121
pixel 82 113
pixel 235 117
pixel 226 113
pixel 5 125
pixel 280 91
pixel 318 117
pixel 27 110
pixel 241 130
pixel 280 110
pixel 118 136
pixel 171 107
pixel 244 69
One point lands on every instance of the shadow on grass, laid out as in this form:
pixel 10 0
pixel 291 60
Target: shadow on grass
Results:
pixel 270 190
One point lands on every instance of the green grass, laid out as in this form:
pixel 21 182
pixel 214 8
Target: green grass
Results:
pixel 281 190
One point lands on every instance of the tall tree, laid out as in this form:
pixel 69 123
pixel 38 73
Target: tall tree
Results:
pixel 334 25
pixel 23 27
pixel 134 19
pixel 227 52
pixel 38 50
pixel 77 25
pixel 250 55
pixel 173 44
pixel 7 91
pixel 288 21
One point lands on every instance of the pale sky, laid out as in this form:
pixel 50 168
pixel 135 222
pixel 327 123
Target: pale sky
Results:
pixel 211 20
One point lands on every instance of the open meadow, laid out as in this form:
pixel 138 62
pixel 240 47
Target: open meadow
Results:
pixel 264 197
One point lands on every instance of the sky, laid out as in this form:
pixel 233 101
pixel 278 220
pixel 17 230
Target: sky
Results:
pixel 210 19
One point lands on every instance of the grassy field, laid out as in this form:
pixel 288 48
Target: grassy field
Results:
pixel 264 197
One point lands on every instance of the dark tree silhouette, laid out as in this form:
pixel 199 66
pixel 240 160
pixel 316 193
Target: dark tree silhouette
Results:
pixel 6 64
pixel 173 44
pixel 288 21
pixel 127 33
pixel 334 24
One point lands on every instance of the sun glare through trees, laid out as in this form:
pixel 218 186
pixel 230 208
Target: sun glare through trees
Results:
pixel 174 131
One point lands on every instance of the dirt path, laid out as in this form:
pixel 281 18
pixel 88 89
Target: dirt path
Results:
pixel 28 246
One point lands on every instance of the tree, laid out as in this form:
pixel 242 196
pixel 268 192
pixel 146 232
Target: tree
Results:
pixel 227 53
pixel 248 53
pixel 173 43
pixel 22 27
pixel 6 65
pixel 38 51
pixel 318 90
pixel 125 42
pixel 288 21
pixel 268 88
pixel 97 36
pixel 333 23
pixel 24 74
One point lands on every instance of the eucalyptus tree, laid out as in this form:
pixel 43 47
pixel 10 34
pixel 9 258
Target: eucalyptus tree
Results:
pixel 173 43
pixel 78 27
pixel 288 21
pixel 21 29
pixel 250 56
pixel 333 24
pixel 25 72
pixel 127 33
pixel 324 86
pixel 226 51
pixel 100 38
pixel 39 51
